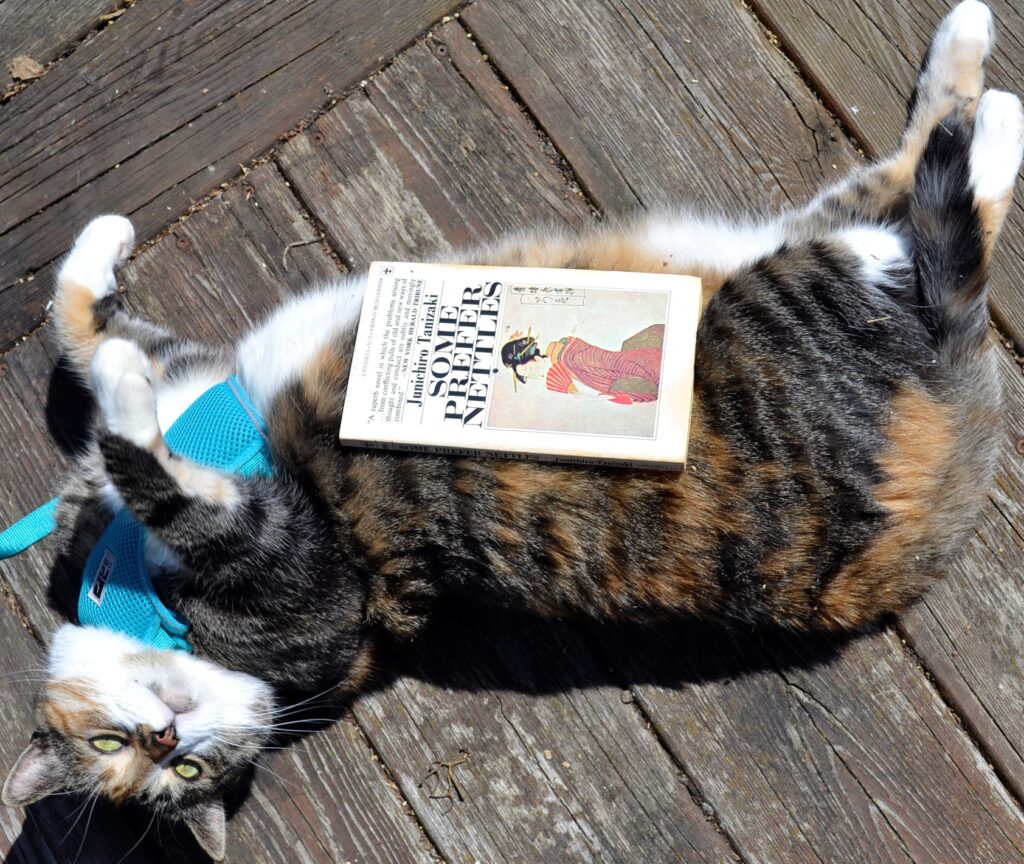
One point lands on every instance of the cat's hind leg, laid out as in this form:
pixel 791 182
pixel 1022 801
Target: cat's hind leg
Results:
pixel 951 79
pixel 996 152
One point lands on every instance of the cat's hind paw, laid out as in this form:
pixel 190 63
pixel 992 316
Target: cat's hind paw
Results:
pixel 104 245
pixel 955 75
pixel 122 381
pixel 998 145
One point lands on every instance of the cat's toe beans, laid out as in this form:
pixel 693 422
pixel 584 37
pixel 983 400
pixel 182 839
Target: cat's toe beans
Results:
pixel 998 145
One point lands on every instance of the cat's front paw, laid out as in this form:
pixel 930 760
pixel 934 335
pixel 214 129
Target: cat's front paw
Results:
pixel 122 379
pixel 104 245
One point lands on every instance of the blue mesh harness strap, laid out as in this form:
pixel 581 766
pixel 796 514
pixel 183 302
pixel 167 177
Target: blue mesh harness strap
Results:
pixel 221 429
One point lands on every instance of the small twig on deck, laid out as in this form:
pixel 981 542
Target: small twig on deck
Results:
pixel 284 256
pixel 443 773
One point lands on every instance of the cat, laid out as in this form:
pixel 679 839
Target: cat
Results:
pixel 844 428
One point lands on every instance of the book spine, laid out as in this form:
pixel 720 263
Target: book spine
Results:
pixel 514 455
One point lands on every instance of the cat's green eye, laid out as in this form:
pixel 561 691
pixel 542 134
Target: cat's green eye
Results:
pixel 186 769
pixel 107 743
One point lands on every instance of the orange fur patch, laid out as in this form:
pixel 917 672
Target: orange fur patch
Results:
pixel 76 324
pixel 922 437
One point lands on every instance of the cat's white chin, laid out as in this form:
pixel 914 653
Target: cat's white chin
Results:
pixel 137 685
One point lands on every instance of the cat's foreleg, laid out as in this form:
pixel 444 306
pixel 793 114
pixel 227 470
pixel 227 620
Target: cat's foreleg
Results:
pixel 209 518
pixel 88 308
pixel 85 281
pixel 122 378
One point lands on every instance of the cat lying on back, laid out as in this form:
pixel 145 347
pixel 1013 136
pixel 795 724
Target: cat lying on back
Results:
pixel 834 463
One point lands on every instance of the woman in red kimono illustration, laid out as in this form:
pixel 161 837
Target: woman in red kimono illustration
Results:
pixel 574 366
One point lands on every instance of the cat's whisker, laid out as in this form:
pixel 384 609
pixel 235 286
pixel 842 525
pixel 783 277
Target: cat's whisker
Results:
pixel 290 783
pixel 77 814
pixel 31 671
pixel 288 708
pixel 138 842
pixel 85 831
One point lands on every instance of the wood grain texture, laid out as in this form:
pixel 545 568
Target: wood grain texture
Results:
pixel 548 762
pixel 811 806
pixel 430 157
pixel 637 97
pixel 327 799
pixel 434 155
pixel 44 30
pixel 863 59
pixel 813 753
pixel 47 832
pixel 161 108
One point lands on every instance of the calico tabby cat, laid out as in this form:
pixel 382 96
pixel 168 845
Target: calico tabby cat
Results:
pixel 843 435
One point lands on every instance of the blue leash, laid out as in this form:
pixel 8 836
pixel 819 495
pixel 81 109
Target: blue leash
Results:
pixel 29 530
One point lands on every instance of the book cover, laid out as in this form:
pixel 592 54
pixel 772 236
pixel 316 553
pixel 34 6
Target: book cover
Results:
pixel 524 362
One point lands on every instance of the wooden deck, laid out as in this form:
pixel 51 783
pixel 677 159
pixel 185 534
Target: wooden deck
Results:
pixel 261 146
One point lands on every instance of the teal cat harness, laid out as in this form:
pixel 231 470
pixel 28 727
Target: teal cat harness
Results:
pixel 222 429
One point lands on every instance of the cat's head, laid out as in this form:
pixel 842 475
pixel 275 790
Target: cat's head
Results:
pixel 164 728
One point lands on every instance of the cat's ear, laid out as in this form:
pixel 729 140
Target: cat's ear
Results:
pixel 207 824
pixel 35 775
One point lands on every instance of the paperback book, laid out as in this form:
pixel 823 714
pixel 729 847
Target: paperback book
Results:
pixel 525 362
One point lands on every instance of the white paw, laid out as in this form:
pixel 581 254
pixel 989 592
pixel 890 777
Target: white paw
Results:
pixel 959 50
pixel 998 145
pixel 122 381
pixel 970 23
pixel 105 244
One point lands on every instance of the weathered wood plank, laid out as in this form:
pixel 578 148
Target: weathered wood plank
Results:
pixel 433 155
pixel 47 832
pixel 863 59
pixel 44 30
pixel 809 805
pixel 638 99
pixel 326 799
pixel 161 108
pixel 853 759
pixel 427 131
pixel 548 761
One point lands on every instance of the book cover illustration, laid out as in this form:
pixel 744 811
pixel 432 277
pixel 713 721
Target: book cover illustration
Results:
pixel 584 361
pixel 570 365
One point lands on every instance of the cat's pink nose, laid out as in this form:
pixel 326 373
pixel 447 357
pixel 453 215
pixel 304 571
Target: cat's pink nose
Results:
pixel 167 738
